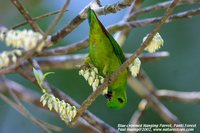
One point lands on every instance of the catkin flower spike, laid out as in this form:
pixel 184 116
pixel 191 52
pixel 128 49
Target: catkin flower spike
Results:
pixel 91 75
pixel 135 67
pixel 8 57
pixel 25 39
pixel 155 44
pixel 65 110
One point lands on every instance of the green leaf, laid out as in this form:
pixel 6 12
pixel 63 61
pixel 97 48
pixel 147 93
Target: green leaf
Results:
pixel 41 79
pixel 45 75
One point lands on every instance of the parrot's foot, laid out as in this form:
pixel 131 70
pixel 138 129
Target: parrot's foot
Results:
pixel 90 73
pixel 87 64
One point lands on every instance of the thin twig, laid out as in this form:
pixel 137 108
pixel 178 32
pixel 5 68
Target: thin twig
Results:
pixel 58 18
pixel 26 15
pixel 145 22
pixel 146 81
pixel 148 21
pixel 159 6
pixel 37 18
pixel 136 117
pixel 121 36
pixel 124 66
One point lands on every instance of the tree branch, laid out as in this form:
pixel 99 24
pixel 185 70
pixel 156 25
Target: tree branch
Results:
pixel 118 27
pixel 148 21
pixel 73 61
pixel 156 105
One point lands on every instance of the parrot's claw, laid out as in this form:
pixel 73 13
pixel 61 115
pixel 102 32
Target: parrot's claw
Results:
pixel 86 66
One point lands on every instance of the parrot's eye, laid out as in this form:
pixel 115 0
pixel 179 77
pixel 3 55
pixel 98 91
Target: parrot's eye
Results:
pixel 120 100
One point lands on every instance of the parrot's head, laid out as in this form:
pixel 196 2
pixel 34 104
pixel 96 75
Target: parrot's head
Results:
pixel 116 99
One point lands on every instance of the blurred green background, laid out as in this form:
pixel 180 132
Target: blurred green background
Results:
pixel 180 71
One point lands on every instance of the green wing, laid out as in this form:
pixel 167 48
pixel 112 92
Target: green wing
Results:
pixel 116 48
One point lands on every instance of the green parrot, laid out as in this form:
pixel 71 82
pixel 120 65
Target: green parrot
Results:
pixel 106 55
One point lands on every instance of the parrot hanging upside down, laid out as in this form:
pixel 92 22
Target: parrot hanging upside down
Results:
pixel 106 55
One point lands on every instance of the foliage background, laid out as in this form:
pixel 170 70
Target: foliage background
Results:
pixel 180 71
